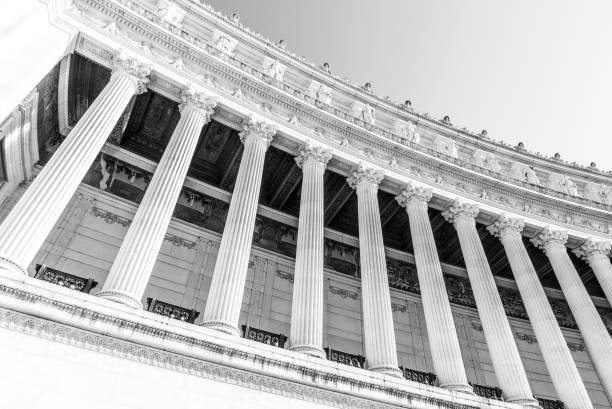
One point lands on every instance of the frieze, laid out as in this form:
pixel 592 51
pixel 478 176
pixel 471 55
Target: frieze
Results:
pixel 343 292
pixel 602 227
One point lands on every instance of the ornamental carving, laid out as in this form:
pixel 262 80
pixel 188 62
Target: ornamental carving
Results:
pixel 562 183
pixel 548 238
pixel 364 112
pixel 446 146
pixel 592 248
pixel 259 129
pixel 223 42
pixel 123 64
pixel 318 93
pixel 274 69
pixel 460 209
pixel 413 193
pixel 524 173
pixel 170 12
pixel 407 131
pixel 363 174
pixel 313 153
pixel 109 217
pixel 344 293
pixel 598 192
pixel 200 101
pixel 506 225
pixel 486 160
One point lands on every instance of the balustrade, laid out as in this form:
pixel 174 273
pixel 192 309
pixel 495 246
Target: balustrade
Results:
pixel 427 378
pixel 57 277
pixel 345 358
pixel 264 337
pixel 170 310
pixel 489 392
pixel 550 404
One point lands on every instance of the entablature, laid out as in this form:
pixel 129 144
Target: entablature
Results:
pixel 243 93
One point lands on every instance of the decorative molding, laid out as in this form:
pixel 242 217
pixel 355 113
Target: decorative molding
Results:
pixel 180 242
pixel 399 307
pixel 109 217
pixel 530 339
pixel 575 347
pixel 313 389
pixel 344 293
pixel 285 275
pixel 477 326
pixel 549 238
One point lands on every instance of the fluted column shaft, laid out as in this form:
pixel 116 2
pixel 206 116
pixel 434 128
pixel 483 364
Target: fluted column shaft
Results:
pixel 227 287
pixel 557 356
pixel 597 255
pixel 441 332
pixel 29 223
pixel 498 334
pixel 379 334
pixel 306 334
pixel 129 274
pixel 592 328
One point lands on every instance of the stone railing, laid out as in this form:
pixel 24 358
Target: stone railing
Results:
pixel 550 404
pixel 170 310
pixel 418 376
pixel 57 277
pixel 489 392
pixel 264 337
pixel 345 358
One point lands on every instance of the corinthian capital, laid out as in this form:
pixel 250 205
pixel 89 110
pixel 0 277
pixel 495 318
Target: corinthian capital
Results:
pixel 365 175
pixel 198 101
pixel 591 248
pixel 259 129
pixel 460 210
pixel 139 72
pixel 505 226
pixel 413 194
pixel 549 238
pixel 313 153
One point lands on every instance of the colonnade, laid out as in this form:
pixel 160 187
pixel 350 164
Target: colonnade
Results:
pixel 26 227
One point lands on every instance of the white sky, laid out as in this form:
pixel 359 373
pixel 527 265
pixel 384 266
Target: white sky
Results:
pixel 533 71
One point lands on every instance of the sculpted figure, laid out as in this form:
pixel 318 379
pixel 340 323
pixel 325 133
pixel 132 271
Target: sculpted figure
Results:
pixel 531 176
pixel 325 67
pixel 368 114
pixel 595 192
pixel 407 106
pixel 486 160
pixel 446 146
pixel 274 69
pixel 571 187
pixel 235 18
pixel 556 182
pixel 367 88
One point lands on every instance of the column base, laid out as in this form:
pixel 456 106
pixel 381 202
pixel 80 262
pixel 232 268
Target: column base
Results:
pixel 309 350
pixel 12 270
pixel 221 326
pixel 458 387
pixel 387 370
pixel 527 402
pixel 120 298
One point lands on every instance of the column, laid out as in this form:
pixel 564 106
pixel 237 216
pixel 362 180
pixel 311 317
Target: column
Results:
pixel 557 356
pixel 379 334
pixel 129 274
pixel 441 332
pixel 227 286
pixel 597 255
pixel 500 339
pixel 307 305
pixel 594 333
pixel 29 223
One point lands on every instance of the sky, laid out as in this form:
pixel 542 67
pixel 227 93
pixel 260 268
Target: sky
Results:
pixel 539 72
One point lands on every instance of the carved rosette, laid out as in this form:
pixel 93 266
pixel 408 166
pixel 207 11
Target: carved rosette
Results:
pixel 413 194
pixel 197 101
pixel 313 153
pixel 137 71
pixel 506 226
pixel 461 211
pixel 591 248
pixel 363 175
pixel 549 238
pixel 258 129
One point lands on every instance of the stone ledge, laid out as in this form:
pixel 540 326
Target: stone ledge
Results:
pixel 85 321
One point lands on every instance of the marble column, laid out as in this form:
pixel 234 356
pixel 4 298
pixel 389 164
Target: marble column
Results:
pixel 597 254
pixel 441 332
pixel 129 274
pixel 222 310
pixel 29 223
pixel 379 333
pixel 557 356
pixel 595 335
pixel 307 306
pixel 504 353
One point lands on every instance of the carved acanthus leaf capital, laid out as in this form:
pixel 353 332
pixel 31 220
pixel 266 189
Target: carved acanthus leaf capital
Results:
pixel 201 102
pixel 126 65
pixel 313 153
pixel 259 129
pixel 460 210
pixel 591 248
pixel 413 194
pixel 549 238
pixel 365 175
pixel 506 226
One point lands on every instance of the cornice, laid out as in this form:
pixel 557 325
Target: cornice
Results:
pixel 478 140
pixel 144 337
pixel 395 156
